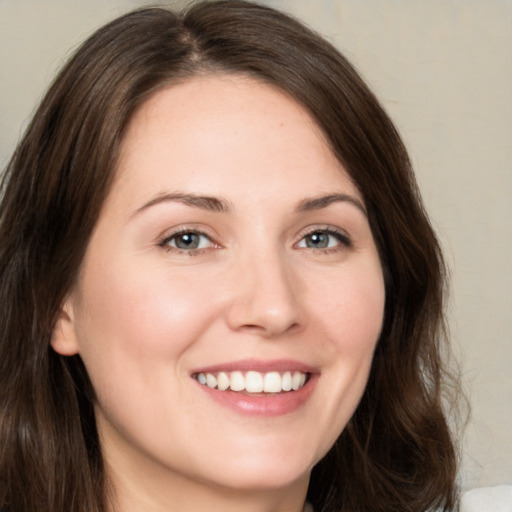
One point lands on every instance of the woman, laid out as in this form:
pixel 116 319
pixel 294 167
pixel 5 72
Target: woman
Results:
pixel 219 284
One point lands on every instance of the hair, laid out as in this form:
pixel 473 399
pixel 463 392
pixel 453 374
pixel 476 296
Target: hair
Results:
pixel 397 452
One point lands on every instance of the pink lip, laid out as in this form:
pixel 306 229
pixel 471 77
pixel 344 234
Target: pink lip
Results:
pixel 256 365
pixel 262 405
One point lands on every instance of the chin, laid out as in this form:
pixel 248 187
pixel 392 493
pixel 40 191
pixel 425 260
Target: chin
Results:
pixel 259 471
pixel 264 479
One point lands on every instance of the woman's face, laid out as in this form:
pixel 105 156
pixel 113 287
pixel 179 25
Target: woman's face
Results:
pixel 233 249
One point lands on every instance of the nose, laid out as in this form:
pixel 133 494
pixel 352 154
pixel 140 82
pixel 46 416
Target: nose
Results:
pixel 265 298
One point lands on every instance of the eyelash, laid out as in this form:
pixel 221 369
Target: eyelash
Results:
pixel 340 236
pixel 164 242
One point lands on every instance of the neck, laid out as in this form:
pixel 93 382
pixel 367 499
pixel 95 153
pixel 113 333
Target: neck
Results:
pixel 139 490
pixel 186 496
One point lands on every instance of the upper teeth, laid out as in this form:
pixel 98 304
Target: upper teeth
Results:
pixel 253 382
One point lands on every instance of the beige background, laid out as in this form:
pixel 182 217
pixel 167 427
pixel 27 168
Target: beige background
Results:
pixel 443 69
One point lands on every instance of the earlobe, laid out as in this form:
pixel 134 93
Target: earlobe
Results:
pixel 64 340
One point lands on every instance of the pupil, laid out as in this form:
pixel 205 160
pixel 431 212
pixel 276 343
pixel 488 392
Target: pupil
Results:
pixel 187 241
pixel 318 240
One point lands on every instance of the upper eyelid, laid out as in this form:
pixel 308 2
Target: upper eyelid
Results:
pixel 334 230
pixel 164 242
pixel 170 233
pixel 326 228
pixel 342 237
pixel 185 232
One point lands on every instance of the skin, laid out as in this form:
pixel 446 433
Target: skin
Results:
pixel 144 314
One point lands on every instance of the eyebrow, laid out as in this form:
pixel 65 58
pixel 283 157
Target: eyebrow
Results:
pixel 215 204
pixel 318 203
pixel 212 204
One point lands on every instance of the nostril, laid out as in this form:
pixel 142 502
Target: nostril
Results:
pixel 270 330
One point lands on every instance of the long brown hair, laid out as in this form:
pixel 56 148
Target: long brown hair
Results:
pixel 397 453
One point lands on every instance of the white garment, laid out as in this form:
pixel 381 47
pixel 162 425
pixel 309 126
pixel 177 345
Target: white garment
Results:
pixel 481 499
pixel 487 499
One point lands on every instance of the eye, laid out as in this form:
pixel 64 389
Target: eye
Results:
pixel 324 239
pixel 187 241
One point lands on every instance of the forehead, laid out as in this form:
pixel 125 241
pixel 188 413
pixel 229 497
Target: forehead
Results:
pixel 213 131
pixel 210 103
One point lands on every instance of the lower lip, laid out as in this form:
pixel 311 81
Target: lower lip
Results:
pixel 263 405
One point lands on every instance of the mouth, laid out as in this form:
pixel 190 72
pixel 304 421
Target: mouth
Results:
pixel 259 388
pixel 254 382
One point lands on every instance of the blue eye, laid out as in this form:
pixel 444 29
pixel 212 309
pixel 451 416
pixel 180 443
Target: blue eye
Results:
pixel 323 239
pixel 187 241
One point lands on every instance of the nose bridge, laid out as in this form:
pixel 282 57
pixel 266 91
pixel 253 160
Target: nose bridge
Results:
pixel 265 297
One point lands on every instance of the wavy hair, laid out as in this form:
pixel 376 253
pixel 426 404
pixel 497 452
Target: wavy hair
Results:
pixel 397 452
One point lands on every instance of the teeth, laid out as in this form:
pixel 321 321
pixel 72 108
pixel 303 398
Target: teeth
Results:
pixel 298 381
pixel 222 381
pixel 253 382
pixel 287 381
pixel 236 381
pixel 272 382
pixel 211 380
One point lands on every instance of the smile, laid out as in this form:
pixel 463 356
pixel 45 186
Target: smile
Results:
pixel 253 382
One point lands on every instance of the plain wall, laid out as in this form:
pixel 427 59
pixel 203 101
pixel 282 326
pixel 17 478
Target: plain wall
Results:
pixel 443 70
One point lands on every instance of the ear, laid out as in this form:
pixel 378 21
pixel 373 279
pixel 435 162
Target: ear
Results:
pixel 64 340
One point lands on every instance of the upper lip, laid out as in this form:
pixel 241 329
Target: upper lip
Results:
pixel 258 365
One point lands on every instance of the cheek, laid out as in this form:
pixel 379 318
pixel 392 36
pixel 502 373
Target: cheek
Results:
pixel 352 318
pixel 128 317
pixel 353 311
